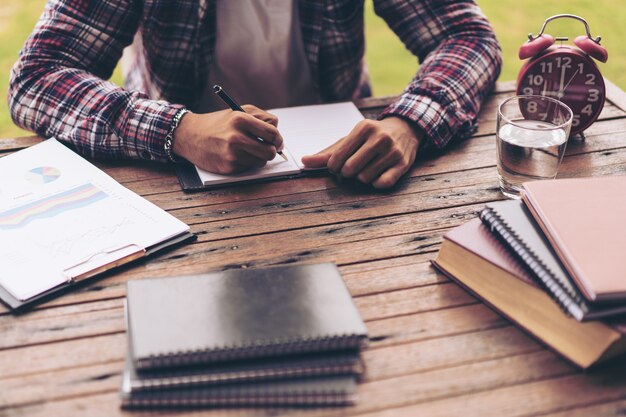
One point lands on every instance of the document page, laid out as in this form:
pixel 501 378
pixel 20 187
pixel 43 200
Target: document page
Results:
pixel 310 129
pixel 306 130
pixel 276 167
pixel 60 215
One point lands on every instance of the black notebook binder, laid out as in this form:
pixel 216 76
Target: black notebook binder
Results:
pixel 239 314
pixel 515 227
pixel 265 369
pixel 188 177
pixel 322 391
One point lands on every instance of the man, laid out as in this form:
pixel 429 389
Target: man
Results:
pixel 266 52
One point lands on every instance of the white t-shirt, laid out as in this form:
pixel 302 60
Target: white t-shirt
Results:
pixel 259 56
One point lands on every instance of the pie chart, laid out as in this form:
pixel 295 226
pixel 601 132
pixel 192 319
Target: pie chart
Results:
pixel 42 175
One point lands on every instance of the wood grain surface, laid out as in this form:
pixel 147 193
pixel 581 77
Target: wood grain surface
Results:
pixel 435 351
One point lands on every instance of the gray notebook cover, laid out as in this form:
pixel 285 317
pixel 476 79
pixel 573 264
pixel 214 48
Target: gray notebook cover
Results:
pixel 244 313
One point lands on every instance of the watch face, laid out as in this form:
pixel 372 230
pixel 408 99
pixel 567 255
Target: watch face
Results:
pixel 570 76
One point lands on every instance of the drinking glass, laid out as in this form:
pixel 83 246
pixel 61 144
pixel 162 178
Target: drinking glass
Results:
pixel 531 135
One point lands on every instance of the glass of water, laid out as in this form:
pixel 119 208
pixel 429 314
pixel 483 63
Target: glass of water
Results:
pixel 531 136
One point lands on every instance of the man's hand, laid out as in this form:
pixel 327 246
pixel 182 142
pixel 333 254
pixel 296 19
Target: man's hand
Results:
pixel 225 142
pixel 376 152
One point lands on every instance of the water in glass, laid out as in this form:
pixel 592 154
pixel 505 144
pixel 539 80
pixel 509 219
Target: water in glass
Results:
pixel 528 150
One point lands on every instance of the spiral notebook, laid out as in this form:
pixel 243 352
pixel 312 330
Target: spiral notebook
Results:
pixel 513 224
pixel 239 314
pixel 331 390
pixel 268 369
pixel 475 258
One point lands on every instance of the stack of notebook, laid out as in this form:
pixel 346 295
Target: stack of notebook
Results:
pixel 277 336
pixel 553 263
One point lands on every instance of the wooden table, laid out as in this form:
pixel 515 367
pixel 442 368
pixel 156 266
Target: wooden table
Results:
pixel 435 349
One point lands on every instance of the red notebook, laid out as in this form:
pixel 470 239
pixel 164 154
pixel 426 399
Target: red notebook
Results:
pixel 585 221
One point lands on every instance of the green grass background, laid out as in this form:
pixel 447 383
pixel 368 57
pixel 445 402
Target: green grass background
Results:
pixel 391 65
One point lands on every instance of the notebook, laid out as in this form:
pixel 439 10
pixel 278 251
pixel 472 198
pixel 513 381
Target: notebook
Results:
pixel 54 233
pixel 513 224
pixel 306 130
pixel 472 256
pixel 238 314
pixel 583 219
pixel 252 370
pixel 330 390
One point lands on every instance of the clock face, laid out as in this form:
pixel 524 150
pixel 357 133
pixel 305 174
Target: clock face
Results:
pixel 568 75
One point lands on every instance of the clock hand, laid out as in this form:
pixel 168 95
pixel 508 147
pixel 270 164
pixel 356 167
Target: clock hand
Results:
pixel 570 80
pixel 562 81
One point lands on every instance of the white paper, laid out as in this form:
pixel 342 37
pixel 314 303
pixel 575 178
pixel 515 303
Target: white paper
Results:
pixel 306 130
pixel 310 129
pixel 57 211
pixel 276 167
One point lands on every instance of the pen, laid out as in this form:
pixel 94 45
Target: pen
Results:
pixel 236 107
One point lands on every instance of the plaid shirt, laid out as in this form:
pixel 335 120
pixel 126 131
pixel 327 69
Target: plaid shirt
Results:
pixel 58 86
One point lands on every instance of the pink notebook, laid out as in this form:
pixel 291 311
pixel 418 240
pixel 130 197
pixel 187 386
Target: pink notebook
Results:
pixel 585 221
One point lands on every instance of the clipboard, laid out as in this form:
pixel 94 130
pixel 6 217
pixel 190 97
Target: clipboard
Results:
pixel 64 221
pixel 93 267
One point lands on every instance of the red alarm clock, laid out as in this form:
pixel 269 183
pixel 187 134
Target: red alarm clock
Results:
pixel 566 73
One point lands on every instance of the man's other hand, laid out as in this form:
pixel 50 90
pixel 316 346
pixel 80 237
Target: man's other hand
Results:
pixel 224 142
pixel 374 152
